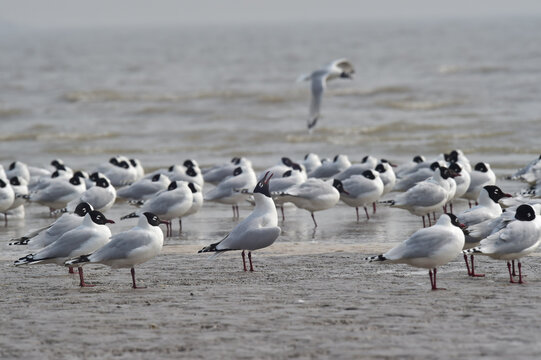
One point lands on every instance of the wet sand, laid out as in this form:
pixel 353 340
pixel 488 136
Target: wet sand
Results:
pixel 304 300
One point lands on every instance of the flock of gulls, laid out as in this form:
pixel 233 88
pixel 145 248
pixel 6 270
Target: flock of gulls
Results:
pixel 497 224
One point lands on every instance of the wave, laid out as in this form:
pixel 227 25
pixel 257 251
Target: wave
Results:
pixel 416 105
pixel 480 69
pixel 10 112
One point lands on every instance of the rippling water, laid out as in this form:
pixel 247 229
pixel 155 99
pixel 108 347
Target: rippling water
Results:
pixel 166 94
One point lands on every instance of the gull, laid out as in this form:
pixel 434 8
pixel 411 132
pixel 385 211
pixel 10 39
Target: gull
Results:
pixel 362 190
pixel 518 239
pixel 18 168
pixel 20 191
pixel 232 190
pixel 429 247
pixel 170 204
pixel 218 173
pixel 411 166
pixel 145 188
pixel 7 196
pixel 329 169
pixel 314 195
pixel 426 196
pixel 340 68
pixel 128 248
pixel 367 163
pixel 421 173
pixel 101 197
pixel 84 239
pixel 311 162
pixel 119 171
pixel 387 175
pixel 488 208
pixel 531 173
pixel 284 165
pixel 457 156
pixel 462 181
pixel 44 236
pixel 279 185
pixel 59 192
pixel 258 230
pixel 481 175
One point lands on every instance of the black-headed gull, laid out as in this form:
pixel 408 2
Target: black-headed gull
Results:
pixel 218 173
pixel 18 168
pixel 429 247
pixel 284 165
pixel 457 156
pixel 145 188
pixel 42 237
pixel 362 190
pixel 421 173
pixel 410 166
pixel 232 190
pixel 128 248
pixel 258 230
pixel 367 163
pixel 329 169
pixel 189 171
pixel 518 239
pixel 119 171
pixel 314 195
pixel 279 185
pixel 59 192
pixel 20 191
pixel 311 162
pixel 426 196
pixel 84 239
pixel 387 175
pixel 488 208
pixel 101 196
pixel 340 68
pixel 170 204
pixel 7 196
pixel 481 175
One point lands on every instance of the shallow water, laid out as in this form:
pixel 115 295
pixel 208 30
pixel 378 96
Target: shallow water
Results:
pixel 164 95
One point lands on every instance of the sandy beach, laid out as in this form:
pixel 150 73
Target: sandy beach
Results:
pixel 304 300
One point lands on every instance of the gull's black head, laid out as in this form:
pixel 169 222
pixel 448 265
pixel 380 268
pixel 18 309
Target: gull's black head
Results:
pixel 262 186
pixel 444 172
pixel 113 161
pixel 75 180
pixel 418 159
pixel 191 172
pixel 454 220
pixel 335 158
pixel 287 174
pixel 453 156
pixel 237 171
pixel 133 163
pixel 79 173
pixel 123 164
pixel 102 182
pixel 369 174
pixel 2 184
pixel 15 181
pixel 339 186
pixel 480 166
pixel 82 209
pixel 94 176
pixel 296 166
pixel 171 168
pixel 12 165
pixel 192 188
pixel 188 163
pixel 99 218
pixel 525 213
pixel 152 219
pixel 380 168
pixel 55 174
pixel 235 160
pixel 172 186
pixel 495 193
pixel 455 167
pixel 156 178
pixel 287 161
pixel 434 165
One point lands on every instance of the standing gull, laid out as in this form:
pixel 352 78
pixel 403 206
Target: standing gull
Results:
pixel 259 230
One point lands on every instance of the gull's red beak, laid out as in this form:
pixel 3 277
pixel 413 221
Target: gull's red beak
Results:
pixel 109 221
pixel 265 180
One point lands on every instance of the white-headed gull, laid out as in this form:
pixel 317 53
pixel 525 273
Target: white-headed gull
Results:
pixel 128 248
pixel 481 175
pixel 362 190
pixel 145 188
pixel 258 230
pixel 232 190
pixel 518 239
pixel 530 173
pixel 488 208
pixel 340 68
pixel 314 195
pixel 170 204
pixel 429 247
pixel 84 239
pixel 42 237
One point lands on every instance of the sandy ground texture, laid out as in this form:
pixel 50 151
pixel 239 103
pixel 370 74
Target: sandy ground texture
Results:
pixel 304 300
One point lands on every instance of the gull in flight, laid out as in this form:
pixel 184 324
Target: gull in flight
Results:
pixel 340 68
